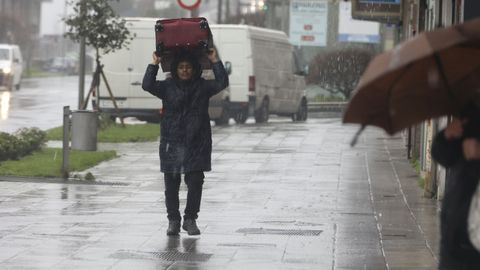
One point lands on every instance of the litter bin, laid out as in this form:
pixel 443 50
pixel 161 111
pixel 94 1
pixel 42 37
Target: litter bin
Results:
pixel 84 130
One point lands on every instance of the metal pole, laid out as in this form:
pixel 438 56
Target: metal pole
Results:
pixel 81 75
pixel 432 184
pixel 66 140
pixel 219 12
pixel 227 11
pixel 194 12
pixel 409 143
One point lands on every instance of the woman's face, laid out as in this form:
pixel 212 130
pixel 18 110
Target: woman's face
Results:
pixel 185 70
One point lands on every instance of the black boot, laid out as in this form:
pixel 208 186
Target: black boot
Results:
pixel 173 227
pixel 190 225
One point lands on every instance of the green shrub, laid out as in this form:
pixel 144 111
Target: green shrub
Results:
pixel 105 120
pixel 23 142
pixel 9 145
pixel 33 138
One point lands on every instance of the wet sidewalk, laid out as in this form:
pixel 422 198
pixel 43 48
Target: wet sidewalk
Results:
pixel 280 196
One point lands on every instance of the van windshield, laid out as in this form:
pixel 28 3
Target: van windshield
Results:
pixel 4 55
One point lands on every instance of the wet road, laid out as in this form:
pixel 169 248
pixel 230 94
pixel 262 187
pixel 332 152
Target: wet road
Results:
pixel 281 196
pixel 39 103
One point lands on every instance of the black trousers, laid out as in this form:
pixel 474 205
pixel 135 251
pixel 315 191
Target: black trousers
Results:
pixel 456 250
pixel 194 181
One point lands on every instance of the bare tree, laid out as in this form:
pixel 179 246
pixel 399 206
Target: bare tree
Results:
pixel 102 28
pixel 99 24
pixel 339 71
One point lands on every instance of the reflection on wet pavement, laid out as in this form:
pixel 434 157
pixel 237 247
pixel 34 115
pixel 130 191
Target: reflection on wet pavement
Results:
pixel 280 196
pixel 4 105
pixel 39 103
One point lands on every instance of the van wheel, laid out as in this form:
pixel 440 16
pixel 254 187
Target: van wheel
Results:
pixel 241 116
pixel 302 112
pixel 261 115
pixel 224 117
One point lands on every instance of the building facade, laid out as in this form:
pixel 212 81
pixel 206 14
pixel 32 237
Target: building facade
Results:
pixel 428 15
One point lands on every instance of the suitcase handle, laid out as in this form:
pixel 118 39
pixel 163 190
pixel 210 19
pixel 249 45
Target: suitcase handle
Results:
pixel 159 27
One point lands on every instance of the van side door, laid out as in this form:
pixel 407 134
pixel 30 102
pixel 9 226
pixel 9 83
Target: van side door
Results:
pixel 288 87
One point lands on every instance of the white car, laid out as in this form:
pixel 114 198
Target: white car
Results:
pixel 11 66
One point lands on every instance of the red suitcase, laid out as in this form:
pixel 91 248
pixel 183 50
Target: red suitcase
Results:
pixel 185 34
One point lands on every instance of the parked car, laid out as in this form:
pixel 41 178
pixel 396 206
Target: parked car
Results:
pixel 11 66
pixel 63 64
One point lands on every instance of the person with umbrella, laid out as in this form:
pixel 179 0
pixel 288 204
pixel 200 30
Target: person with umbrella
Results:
pixel 434 74
pixel 186 136
pixel 457 148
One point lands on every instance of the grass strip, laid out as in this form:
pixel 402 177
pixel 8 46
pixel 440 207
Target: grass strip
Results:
pixel 48 162
pixel 116 133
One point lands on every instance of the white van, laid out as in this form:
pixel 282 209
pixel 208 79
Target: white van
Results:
pixel 124 70
pixel 11 66
pixel 264 77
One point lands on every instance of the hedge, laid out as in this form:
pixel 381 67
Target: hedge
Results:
pixel 22 142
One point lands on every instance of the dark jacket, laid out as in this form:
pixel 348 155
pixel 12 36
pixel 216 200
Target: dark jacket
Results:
pixel 186 136
pixel 456 250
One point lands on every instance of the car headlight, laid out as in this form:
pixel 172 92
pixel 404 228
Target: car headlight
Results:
pixel 7 70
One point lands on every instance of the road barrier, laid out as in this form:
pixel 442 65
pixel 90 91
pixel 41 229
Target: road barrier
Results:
pixel 335 106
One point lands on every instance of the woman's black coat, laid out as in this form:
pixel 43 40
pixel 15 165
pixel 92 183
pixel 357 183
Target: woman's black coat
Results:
pixel 186 137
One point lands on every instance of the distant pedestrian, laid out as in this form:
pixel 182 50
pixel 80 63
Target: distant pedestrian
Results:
pixel 457 148
pixel 186 136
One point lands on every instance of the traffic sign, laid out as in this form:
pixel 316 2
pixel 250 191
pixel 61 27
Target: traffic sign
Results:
pixel 189 4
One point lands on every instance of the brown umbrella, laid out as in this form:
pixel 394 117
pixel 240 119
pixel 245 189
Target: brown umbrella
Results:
pixel 433 74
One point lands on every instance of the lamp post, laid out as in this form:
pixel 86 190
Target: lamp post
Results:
pixel 81 64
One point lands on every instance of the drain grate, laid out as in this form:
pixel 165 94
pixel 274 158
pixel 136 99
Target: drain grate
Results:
pixel 171 256
pixel 280 231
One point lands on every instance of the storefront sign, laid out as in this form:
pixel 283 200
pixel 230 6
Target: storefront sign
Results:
pixel 385 11
pixel 308 22
pixel 350 30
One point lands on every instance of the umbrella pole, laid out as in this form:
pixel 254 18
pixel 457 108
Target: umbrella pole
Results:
pixel 389 95
pixel 443 75
pixel 355 138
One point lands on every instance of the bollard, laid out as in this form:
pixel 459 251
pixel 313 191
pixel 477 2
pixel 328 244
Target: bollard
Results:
pixel 66 140
pixel 84 130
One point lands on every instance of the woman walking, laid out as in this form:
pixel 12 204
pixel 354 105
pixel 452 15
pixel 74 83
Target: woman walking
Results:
pixel 186 136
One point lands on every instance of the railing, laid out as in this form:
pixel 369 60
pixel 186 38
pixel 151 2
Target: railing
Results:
pixel 328 106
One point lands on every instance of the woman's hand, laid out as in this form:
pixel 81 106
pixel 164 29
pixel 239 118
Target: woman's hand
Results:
pixel 454 130
pixel 471 149
pixel 212 55
pixel 156 58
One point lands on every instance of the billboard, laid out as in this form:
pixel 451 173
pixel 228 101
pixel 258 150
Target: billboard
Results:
pixel 385 11
pixel 350 30
pixel 308 22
